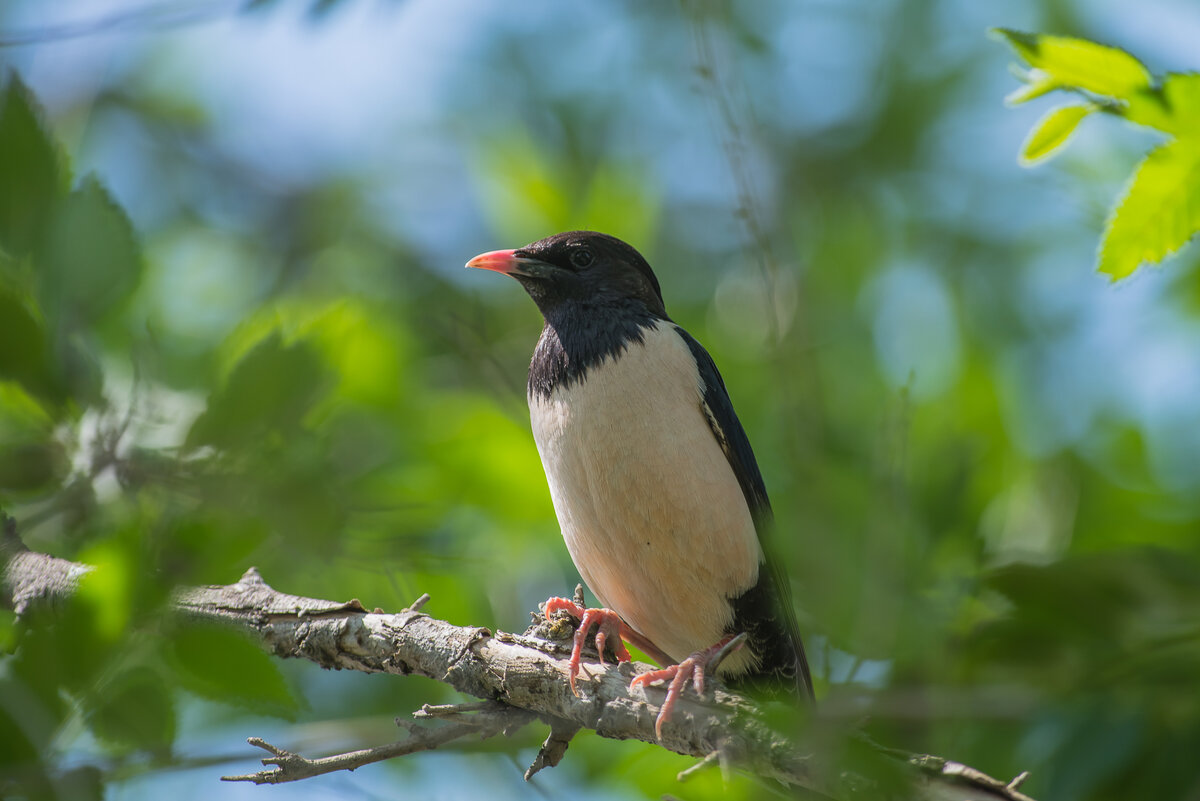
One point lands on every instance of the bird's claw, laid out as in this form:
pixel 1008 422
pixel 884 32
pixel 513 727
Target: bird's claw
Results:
pixel 694 667
pixel 608 626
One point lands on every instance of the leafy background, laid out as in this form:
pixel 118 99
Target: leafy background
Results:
pixel 234 330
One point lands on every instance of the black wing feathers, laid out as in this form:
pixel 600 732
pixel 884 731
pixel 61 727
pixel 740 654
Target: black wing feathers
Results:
pixel 764 611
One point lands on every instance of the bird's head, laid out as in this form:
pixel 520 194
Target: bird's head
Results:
pixel 580 270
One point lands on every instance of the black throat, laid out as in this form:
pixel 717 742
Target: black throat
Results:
pixel 580 336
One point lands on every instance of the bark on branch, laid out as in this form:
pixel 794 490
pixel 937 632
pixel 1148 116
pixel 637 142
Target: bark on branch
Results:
pixel 523 676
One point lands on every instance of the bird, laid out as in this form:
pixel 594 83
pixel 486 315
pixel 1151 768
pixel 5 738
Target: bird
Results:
pixel 656 489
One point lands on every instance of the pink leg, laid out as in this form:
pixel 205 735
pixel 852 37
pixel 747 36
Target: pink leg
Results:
pixel 691 668
pixel 609 628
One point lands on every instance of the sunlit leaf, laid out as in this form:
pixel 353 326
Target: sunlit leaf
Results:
pixel 525 192
pixel 1052 131
pixel 1081 64
pixel 361 348
pixel 224 665
pixel 30 168
pixel 1181 92
pixel 1159 211
pixel 108 589
pixel 1035 84
pixel 1174 108
pixel 619 202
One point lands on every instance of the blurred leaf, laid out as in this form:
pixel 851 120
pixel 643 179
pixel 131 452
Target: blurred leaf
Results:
pixel 22 341
pixel 618 202
pixel 1122 619
pixel 269 392
pixel 1098 743
pixel 1174 108
pixel 225 666
pixel 8 631
pixel 1078 63
pixel 474 455
pixel 135 710
pixel 107 589
pixel 24 352
pixel 208 545
pixel 1159 212
pixel 1052 131
pixel 1182 94
pixel 29 163
pixel 59 649
pixel 31 465
pixel 82 783
pixel 1035 84
pixel 92 260
pixel 525 197
pixel 361 348
pixel 25 726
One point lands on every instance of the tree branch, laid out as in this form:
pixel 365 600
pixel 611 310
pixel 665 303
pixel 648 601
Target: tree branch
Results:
pixel 526 675
pixel 290 767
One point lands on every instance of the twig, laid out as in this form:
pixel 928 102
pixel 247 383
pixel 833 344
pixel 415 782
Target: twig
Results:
pixel 290 767
pixel 688 773
pixel 484 714
pixel 554 747
pixel 443 711
pixel 967 776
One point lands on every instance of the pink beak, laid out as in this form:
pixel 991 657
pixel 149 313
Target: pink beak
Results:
pixel 501 261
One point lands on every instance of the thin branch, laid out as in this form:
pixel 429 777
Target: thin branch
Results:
pixel 290 767
pixel 708 761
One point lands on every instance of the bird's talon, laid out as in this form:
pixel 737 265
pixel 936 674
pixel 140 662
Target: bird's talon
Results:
pixel 554 605
pixel 694 668
pixel 608 627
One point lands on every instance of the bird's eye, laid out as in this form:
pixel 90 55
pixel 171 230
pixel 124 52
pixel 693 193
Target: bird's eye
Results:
pixel 581 258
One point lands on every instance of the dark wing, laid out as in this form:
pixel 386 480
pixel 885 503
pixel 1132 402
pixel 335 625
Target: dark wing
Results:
pixel 764 611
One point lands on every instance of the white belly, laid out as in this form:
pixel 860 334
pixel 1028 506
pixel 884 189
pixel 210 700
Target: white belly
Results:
pixel 649 507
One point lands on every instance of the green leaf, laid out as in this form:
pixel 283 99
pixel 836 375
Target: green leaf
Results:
pixel 30 168
pixel 92 260
pixel 1181 93
pixel 1080 64
pixel 1159 212
pixel 223 665
pixel 135 711
pixel 1037 84
pixel 25 354
pixel 1174 108
pixel 269 392
pixel 31 458
pixel 1052 132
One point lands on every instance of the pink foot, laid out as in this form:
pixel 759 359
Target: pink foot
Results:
pixel 693 668
pixel 609 628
